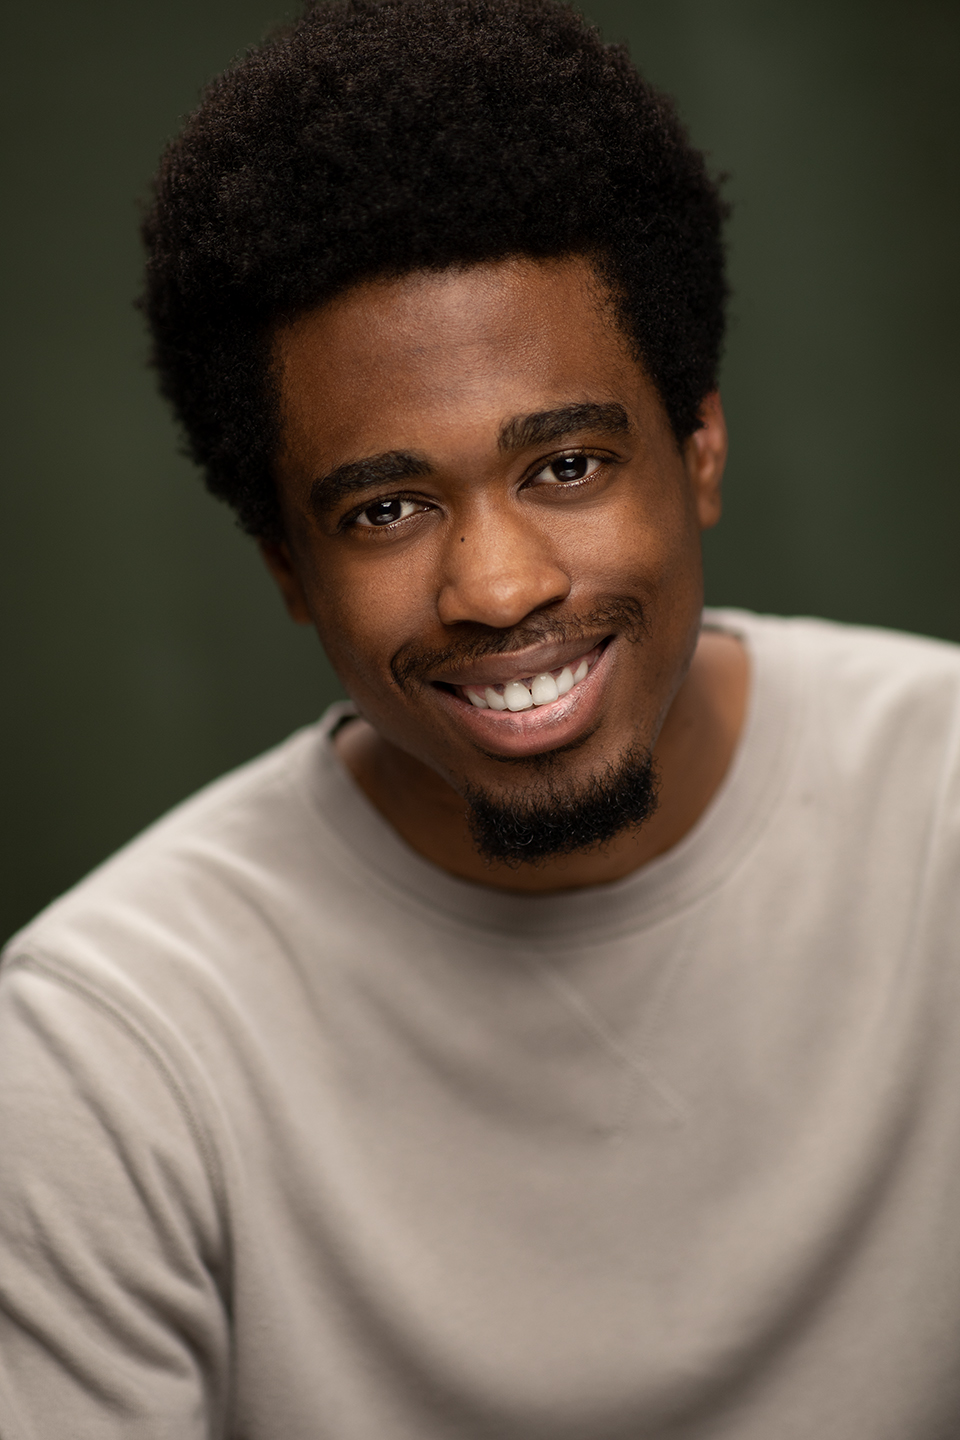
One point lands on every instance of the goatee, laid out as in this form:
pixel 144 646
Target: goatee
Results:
pixel 548 820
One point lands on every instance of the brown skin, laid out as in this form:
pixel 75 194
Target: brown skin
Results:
pixel 492 548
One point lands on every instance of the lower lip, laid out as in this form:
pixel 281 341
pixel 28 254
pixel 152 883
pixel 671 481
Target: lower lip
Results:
pixel 543 727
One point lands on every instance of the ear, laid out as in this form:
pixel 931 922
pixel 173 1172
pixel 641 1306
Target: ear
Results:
pixel 276 555
pixel 704 456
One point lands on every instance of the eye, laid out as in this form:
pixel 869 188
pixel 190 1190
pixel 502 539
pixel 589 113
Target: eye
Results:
pixel 386 512
pixel 568 468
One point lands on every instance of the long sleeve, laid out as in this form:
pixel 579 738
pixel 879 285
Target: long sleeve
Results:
pixel 113 1321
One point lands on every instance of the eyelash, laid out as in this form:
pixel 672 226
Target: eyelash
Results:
pixel 351 519
pixel 601 460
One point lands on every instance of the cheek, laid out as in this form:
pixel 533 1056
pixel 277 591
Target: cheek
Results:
pixel 365 608
pixel 646 540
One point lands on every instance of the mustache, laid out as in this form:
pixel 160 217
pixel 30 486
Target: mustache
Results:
pixel 413 662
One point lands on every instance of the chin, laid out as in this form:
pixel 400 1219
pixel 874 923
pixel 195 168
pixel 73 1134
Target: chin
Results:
pixel 555 814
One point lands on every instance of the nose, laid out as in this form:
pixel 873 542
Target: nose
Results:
pixel 498 569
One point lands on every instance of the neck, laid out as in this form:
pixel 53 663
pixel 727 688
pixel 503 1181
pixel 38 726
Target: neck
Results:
pixel 692 755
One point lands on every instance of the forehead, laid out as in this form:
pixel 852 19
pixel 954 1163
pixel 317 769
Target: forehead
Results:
pixel 391 360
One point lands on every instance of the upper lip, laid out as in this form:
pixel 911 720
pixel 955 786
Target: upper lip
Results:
pixel 533 660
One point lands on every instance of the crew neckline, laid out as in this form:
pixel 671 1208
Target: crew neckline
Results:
pixel 728 828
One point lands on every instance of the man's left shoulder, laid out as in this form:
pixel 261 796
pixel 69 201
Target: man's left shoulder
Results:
pixel 851 661
pixel 869 654
pixel 876 711
pixel 881 686
pixel 864 647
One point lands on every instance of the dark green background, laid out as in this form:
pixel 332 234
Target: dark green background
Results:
pixel 144 651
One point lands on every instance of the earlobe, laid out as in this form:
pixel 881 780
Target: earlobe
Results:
pixel 277 558
pixel 705 455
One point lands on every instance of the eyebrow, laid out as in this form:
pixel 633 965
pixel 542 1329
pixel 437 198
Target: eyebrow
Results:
pixel 547 426
pixel 543 427
pixel 385 469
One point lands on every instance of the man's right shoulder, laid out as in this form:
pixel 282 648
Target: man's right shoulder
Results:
pixel 213 881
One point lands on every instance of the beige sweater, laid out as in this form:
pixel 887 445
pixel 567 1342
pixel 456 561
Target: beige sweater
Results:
pixel 303 1139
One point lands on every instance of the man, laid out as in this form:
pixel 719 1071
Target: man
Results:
pixel 557 1042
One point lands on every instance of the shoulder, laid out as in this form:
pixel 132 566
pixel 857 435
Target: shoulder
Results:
pixel 865 646
pixel 875 716
pixel 851 666
pixel 204 890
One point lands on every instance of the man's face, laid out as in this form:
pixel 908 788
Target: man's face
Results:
pixel 489 521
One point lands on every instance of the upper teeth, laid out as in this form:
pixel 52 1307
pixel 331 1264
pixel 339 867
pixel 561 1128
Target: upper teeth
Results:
pixel 516 695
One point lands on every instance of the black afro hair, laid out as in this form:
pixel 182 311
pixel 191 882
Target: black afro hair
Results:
pixel 378 137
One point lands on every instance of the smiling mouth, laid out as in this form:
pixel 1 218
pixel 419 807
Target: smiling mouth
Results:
pixel 530 691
